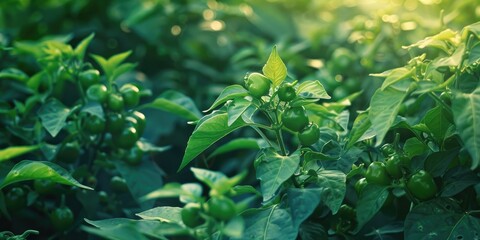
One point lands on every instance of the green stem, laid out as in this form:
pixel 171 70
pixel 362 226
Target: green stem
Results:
pixel 281 143
pixel 439 101
pixel 262 135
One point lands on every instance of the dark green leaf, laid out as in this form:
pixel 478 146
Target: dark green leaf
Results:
pixel 271 223
pixel 177 103
pixel 237 144
pixel 333 185
pixel 440 218
pixel 466 114
pixel 273 169
pixel 302 203
pixel 371 200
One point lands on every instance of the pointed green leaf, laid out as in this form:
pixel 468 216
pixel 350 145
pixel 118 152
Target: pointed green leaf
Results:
pixel 414 147
pixel 236 108
pixel 302 203
pixel 466 114
pixel 13 73
pixel 102 62
pixel 384 107
pixel 116 59
pixel 15 151
pixel 126 67
pixel 361 129
pixel 275 69
pixel 169 190
pixel 369 203
pixel 269 223
pixel 274 169
pixel 333 184
pixel 436 121
pixel 396 75
pixel 230 92
pixel 177 103
pixel 237 144
pixel 164 214
pixel 208 177
pixel 82 46
pixel 30 170
pixel 312 89
pixel 53 115
pixel 207 133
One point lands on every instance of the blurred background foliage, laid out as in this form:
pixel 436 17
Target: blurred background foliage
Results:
pixel 198 47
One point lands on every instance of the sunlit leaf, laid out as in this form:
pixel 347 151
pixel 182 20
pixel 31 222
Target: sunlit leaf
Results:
pixel 177 103
pixel 275 69
pixel 15 151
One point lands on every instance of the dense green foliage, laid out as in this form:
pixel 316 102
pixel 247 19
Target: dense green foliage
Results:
pixel 334 119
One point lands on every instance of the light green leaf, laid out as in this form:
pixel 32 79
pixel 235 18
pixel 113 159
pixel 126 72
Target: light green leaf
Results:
pixel 312 89
pixel 439 40
pixel 234 228
pixel 275 69
pixel 126 67
pixel 15 151
pixel 466 115
pixel 13 73
pixel 270 223
pixel 333 184
pixel 30 170
pixel 384 107
pixel 209 131
pixel 208 177
pixel 53 115
pixel 230 92
pixel 236 108
pixel 169 190
pixel 164 214
pixel 273 169
pixel 177 103
pixel 82 46
pixel 237 144
pixel 395 75
pixel 361 129
pixel 414 147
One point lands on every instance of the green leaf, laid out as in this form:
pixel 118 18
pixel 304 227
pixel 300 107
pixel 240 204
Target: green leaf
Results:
pixel 312 89
pixel 30 170
pixel 384 107
pixel 210 178
pixel 437 163
pixel 141 179
pixel 53 115
pixel 414 147
pixel 13 73
pixel 333 185
pixel 361 130
pixel 234 228
pixel 371 200
pixel 209 131
pixel 458 179
pixel 302 203
pixel 270 223
pixel 436 121
pixel 15 151
pixel 273 169
pixel 126 67
pixel 394 75
pixel 439 40
pixel 442 218
pixel 466 115
pixel 313 231
pixel 275 69
pixel 230 92
pixel 237 144
pixel 169 190
pixel 453 60
pixel 164 214
pixel 82 46
pixel 236 108
pixel 177 103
